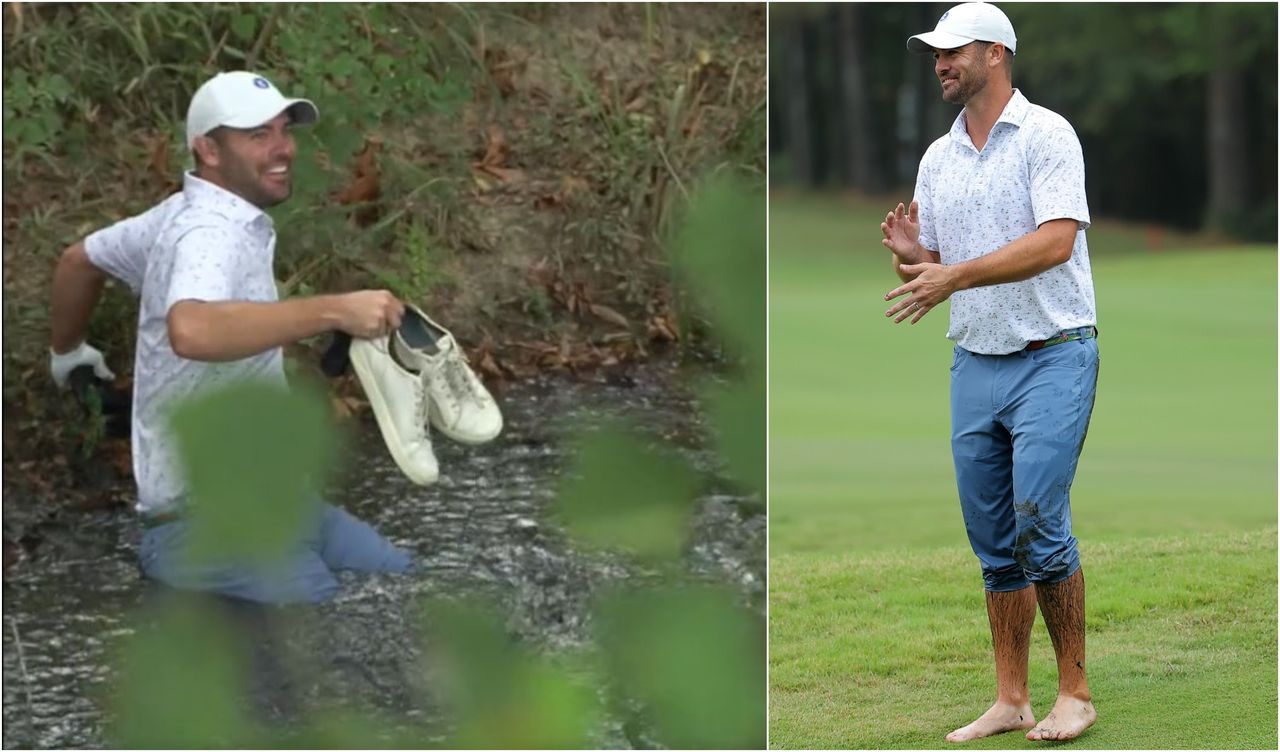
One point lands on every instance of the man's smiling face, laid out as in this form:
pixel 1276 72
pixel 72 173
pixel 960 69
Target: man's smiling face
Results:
pixel 963 71
pixel 256 163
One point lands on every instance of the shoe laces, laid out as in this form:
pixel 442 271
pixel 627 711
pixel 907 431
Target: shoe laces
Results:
pixel 457 376
pixel 422 403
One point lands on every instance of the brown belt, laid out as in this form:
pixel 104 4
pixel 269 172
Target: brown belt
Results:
pixel 1067 335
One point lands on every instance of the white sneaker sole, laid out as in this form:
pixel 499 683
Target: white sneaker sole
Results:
pixel 382 413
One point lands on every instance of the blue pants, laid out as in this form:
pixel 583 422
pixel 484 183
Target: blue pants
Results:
pixel 1018 423
pixel 337 541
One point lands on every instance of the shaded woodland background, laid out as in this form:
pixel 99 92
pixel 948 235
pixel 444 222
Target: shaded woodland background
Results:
pixel 1175 104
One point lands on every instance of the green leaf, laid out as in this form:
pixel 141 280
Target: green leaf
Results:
pixel 694 659
pixel 738 417
pixel 624 494
pixel 181 682
pixel 57 88
pixel 721 255
pixel 347 728
pixel 253 455
pixel 504 696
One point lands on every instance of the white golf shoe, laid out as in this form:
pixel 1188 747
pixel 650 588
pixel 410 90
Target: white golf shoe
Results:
pixel 459 405
pixel 400 405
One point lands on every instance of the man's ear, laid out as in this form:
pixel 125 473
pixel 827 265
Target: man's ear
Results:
pixel 206 149
pixel 998 58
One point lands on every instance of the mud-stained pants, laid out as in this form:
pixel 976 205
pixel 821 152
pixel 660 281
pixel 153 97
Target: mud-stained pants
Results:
pixel 1018 423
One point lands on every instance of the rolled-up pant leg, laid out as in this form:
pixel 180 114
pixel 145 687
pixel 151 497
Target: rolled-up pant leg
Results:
pixel 348 543
pixel 1048 413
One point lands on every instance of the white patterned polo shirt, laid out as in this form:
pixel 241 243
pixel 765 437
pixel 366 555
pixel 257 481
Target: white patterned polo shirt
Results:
pixel 204 243
pixel 973 202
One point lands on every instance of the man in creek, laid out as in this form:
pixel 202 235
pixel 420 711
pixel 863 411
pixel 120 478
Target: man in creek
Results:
pixel 210 316
pixel 998 227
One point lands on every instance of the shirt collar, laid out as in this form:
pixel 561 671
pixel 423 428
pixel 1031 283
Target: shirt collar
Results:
pixel 1015 111
pixel 221 201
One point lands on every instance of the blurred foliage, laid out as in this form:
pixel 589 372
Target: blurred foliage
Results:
pixel 720 259
pixel 601 508
pixel 254 456
pixel 185 669
pixel 1135 80
pixel 691 657
pixel 502 695
pixel 688 655
pixel 684 661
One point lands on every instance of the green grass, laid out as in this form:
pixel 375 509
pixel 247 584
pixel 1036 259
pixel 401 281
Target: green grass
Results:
pixel 891 650
pixel 1182 448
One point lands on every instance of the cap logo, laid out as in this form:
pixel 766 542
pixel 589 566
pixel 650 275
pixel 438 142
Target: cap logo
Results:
pixel 261 83
pixel 944 16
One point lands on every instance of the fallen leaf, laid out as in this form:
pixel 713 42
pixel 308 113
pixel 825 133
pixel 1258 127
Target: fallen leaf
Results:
pixel 510 175
pixel 365 186
pixel 662 328
pixel 502 69
pixel 604 312
pixel 495 150
pixel 489 365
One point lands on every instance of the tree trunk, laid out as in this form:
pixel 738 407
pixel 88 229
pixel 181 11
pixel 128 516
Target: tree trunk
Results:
pixel 795 97
pixel 935 115
pixel 860 169
pixel 1227 139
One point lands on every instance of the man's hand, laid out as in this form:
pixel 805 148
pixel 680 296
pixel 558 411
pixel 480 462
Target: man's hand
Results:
pixel 933 284
pixel 84 354
pixel 901 230
pixel 369 313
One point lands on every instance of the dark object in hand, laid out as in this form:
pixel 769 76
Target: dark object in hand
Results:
pixel 334 361
pixel 115 405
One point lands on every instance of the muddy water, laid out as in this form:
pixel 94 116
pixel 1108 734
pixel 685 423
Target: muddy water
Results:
pixel 484 528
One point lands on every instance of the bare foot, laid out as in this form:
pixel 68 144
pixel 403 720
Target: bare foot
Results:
pixel 1068 719
pixel 998 719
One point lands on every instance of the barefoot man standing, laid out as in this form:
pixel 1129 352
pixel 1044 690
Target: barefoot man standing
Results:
pixel 997 226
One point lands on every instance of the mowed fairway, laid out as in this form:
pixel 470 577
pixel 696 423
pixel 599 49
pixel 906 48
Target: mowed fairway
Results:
pixel 878 635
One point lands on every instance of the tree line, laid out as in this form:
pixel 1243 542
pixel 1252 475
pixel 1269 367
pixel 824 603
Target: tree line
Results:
pixel 1175 104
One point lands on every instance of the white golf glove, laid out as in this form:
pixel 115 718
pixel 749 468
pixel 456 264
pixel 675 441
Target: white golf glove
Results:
pixel 84 354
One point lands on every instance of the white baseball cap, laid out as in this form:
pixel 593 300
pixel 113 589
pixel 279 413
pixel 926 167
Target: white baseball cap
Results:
pixel 241 99
pixel 965 23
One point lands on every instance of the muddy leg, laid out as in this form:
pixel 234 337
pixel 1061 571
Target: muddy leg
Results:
pixel 1062 604
pixel 1011 616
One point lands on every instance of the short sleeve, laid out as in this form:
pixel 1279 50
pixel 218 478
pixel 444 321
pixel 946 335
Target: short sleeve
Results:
pixel 1057 179
pixel 121 249
pixel 923 197
pixel 202 266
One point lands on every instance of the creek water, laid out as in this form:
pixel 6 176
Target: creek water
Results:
pixel 484 528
